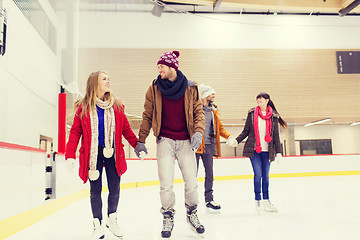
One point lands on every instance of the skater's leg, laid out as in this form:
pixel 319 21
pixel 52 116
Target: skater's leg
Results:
pixel 187 164
pixel 256 165
pixel 265 169
pixel 95 189
pixel 208 161
pixel 165 162
pixel 113 180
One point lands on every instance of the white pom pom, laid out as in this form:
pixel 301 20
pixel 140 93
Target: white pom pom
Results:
pixel 94 175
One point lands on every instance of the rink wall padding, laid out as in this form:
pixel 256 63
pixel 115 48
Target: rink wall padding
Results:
pixel 140 174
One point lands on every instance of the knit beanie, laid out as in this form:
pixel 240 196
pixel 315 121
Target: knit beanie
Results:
pixel 205 90
pixel 170 59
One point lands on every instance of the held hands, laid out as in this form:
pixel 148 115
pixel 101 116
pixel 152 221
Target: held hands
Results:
pixel 231 141
pixel 140 150
pixel 142 155
pixel 278 157
pixel 196 141
pixel 70 164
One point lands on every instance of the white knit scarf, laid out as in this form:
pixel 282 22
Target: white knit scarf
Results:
pixel 109 127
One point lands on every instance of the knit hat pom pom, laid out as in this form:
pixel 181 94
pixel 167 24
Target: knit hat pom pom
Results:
pixel 94 175
pixel 177 53
pixel 267 138
pixel 258 149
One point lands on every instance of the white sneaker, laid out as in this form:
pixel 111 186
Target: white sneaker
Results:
pixel 98 232
pixel 258 206
pixel 112 225
pixel 268 206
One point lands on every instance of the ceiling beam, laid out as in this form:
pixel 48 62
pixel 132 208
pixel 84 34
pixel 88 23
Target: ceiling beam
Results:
pixel 332 6
pixel 350 7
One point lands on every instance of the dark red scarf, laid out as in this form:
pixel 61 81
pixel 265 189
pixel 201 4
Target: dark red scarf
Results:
pixel 267 118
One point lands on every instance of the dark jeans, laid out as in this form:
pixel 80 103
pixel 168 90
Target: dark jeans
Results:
pixel 261 167
pixel 113 180
pixel 208 162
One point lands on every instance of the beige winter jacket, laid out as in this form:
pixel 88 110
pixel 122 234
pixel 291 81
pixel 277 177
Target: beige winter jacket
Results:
pixel 195 118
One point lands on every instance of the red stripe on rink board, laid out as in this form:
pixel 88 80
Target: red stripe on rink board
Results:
pixel 20 147
pixel 317 155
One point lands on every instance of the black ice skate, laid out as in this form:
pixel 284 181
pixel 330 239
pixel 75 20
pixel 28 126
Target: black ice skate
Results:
pixel 168 225
pixel 213 207
pixel 193 220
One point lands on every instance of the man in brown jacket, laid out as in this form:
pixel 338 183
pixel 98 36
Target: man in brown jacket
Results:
pixel 210 145
pixel 174 111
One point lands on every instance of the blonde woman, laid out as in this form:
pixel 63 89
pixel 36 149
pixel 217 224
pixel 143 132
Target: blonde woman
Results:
pixel 100 122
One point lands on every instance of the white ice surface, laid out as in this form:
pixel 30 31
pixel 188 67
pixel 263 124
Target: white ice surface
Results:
pixel 309 208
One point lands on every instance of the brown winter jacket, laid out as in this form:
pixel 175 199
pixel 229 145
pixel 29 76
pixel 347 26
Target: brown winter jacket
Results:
pixel 248 131
pixel 219 131
pixel 195 118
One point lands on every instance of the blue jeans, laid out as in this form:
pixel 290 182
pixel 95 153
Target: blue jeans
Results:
pixel 113 180
pixel 261 167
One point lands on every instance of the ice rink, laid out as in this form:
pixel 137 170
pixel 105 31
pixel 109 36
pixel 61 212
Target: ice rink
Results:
pixel 302 53
pixel 321 207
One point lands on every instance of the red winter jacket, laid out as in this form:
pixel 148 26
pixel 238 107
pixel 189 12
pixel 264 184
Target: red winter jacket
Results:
pixel 82 128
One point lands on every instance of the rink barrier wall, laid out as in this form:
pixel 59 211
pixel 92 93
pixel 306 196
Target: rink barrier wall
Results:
pixel 224 169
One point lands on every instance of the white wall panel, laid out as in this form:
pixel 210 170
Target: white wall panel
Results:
pixel 29 88
pixel 22 181
pixel 344 138
pixel 143 30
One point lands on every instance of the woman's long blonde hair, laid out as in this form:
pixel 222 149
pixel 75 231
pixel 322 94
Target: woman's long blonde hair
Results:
pixel 88 103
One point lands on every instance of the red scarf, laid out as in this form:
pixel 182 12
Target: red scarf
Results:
pixel 267 118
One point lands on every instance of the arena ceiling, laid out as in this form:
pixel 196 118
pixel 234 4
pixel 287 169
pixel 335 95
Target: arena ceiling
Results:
pixel 311 7
pixel 342 8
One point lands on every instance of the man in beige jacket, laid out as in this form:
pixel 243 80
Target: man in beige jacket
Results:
pixel 174 111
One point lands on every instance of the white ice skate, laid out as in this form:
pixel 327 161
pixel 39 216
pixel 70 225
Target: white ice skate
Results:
pixel 258 206
pixel 268 206
pixel 98 232
pixel 112 225
pixel 213 207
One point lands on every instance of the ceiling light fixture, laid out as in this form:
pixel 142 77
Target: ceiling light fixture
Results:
pixel 317 122
pixel 216 4
pixel 354 123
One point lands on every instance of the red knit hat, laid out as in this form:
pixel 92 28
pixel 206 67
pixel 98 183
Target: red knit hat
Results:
pixel 170 59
